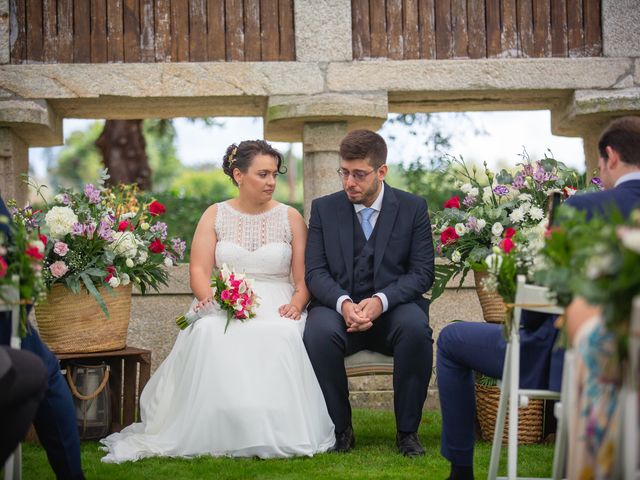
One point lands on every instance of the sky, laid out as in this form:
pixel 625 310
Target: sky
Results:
pixel 505 136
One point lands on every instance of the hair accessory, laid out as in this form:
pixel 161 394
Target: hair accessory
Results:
pixel 232 157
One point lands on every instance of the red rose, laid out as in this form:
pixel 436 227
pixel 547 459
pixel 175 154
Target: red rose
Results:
pixel 448 236
pixel 509 232
pixel 43 238
pixel 111 271
pixel 156 246
pixel 568 191
pixel 453 202
pixel 3 267
pixel 124 225
pixel 34 253
pixel 507 245
pixel 156 208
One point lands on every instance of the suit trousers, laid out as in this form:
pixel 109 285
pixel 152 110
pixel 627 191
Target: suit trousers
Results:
pixel 21 391
pixel 403 332
pixel 55 421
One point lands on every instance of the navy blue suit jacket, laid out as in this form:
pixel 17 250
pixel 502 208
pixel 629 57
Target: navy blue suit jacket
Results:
pixel 403 254
pixel 625 197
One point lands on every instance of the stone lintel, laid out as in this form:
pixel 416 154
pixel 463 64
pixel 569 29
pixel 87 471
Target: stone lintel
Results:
pixel 477 75
pixel 323 33
pixel 286 115
pixel 33 120
pixel 588 109
pixel 158 80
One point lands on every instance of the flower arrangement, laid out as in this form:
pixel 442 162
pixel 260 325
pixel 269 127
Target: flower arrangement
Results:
pixel 493 211
pixel 105 237
pixel 232 293
pixel 597 260
pixel 21 255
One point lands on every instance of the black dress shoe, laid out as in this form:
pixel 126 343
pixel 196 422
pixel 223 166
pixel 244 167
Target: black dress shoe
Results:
pixel 409 445
pixel 345 441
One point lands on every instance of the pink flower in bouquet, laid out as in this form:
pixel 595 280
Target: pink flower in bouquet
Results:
pixel 60 248
pixel 509 232
pixel 448 236
pixel 453 202
pixel 58 269
pixel 3 267
pixel 507 244
pixel 225 295
pixel 34 252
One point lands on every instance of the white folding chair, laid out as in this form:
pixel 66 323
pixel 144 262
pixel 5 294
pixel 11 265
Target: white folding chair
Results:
pixel 629 400
pixel 13 465
pixel 533 298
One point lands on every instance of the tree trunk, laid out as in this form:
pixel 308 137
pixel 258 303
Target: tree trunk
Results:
pixel 124 153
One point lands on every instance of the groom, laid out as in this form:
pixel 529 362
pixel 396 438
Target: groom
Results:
pixel 369 260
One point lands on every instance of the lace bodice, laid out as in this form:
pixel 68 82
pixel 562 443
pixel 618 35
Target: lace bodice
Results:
pixel 258 245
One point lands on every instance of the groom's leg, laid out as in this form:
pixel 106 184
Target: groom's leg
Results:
pixel 327 343
pixel 462 348
pixel 404 332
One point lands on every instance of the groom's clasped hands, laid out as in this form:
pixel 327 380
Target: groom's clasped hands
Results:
pixel 359 317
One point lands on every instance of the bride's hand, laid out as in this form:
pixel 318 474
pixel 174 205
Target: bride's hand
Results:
pixel 289 311
pixel 202 303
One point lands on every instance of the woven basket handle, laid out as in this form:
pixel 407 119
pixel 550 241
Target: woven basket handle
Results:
pixel 91 396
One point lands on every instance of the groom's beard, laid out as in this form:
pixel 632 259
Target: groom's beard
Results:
pixel 358 196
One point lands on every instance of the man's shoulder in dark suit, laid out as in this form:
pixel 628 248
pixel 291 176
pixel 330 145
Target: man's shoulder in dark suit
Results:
pixel 625 197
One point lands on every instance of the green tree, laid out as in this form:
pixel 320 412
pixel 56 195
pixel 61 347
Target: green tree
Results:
pixel 79 161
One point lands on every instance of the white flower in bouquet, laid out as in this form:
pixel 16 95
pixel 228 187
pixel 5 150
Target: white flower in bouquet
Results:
pixel 598 265
pixel 145 226
pixel 129 263
pixel 630 238
pixel 481 223
pixel 487 194
pixel 466 188
pixel 456 256
pixel 497 229
pixel 127 216
pixel 536 213
pixel 124 244
pixel 142 257
pixel 37 244
pixel 124 279
pixel 493 261
pixel 474 192
pixel 525 207
pixel 60 221
pixel 517 215
pixel 225 272
pixel 114 282
pixel 168 262
pixel 525 197
pixel 460 229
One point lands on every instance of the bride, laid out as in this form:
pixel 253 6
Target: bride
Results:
pixel 250 391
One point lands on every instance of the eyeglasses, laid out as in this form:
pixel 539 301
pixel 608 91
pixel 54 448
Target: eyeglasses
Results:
pixel 358 175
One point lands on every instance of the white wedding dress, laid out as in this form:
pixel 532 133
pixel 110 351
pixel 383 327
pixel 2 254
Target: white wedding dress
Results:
pixel 248 392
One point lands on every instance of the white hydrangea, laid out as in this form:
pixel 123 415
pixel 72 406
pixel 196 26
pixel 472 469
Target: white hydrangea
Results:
pixel 525 197
pixel 124 244
pixel 481 223
pixel 517 215
pixel 497 229
pixel 461 229
pixel 60 221
pixel 456 256
pixel 142 257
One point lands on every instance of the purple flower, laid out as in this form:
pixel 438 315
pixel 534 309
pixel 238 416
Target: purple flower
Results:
pixel 527 170
pixel 501 190
pixel 597 182
pixel 472 223
pixel 89 230
pixel 469 201
pixel 104 231
pixel 179 246
pixel 540 176
pixel 160 228
pixel 92 193
pixel 518 182
pixel 77 229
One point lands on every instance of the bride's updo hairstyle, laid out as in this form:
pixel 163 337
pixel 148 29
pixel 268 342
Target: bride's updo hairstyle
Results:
pixel 240 156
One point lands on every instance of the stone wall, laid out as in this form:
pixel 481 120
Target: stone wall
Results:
pixel 152 326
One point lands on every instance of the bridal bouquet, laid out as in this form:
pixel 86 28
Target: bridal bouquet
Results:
pixel 232 293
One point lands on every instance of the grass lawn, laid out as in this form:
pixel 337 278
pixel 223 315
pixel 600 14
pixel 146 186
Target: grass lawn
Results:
pixel 375 456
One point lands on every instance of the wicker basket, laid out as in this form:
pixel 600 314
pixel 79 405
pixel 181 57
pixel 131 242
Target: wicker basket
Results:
pixel 529 418
pixel 493 308
pixel 75 323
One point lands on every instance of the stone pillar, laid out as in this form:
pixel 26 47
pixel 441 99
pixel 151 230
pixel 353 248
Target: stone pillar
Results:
pixel 14 161
pixel 321 158
pixel 4 32
pixel 323 30
pixel 590 136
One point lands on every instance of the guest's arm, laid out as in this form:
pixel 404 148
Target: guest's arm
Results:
pixel 301 295
pixel 202 260
pixel 577 314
